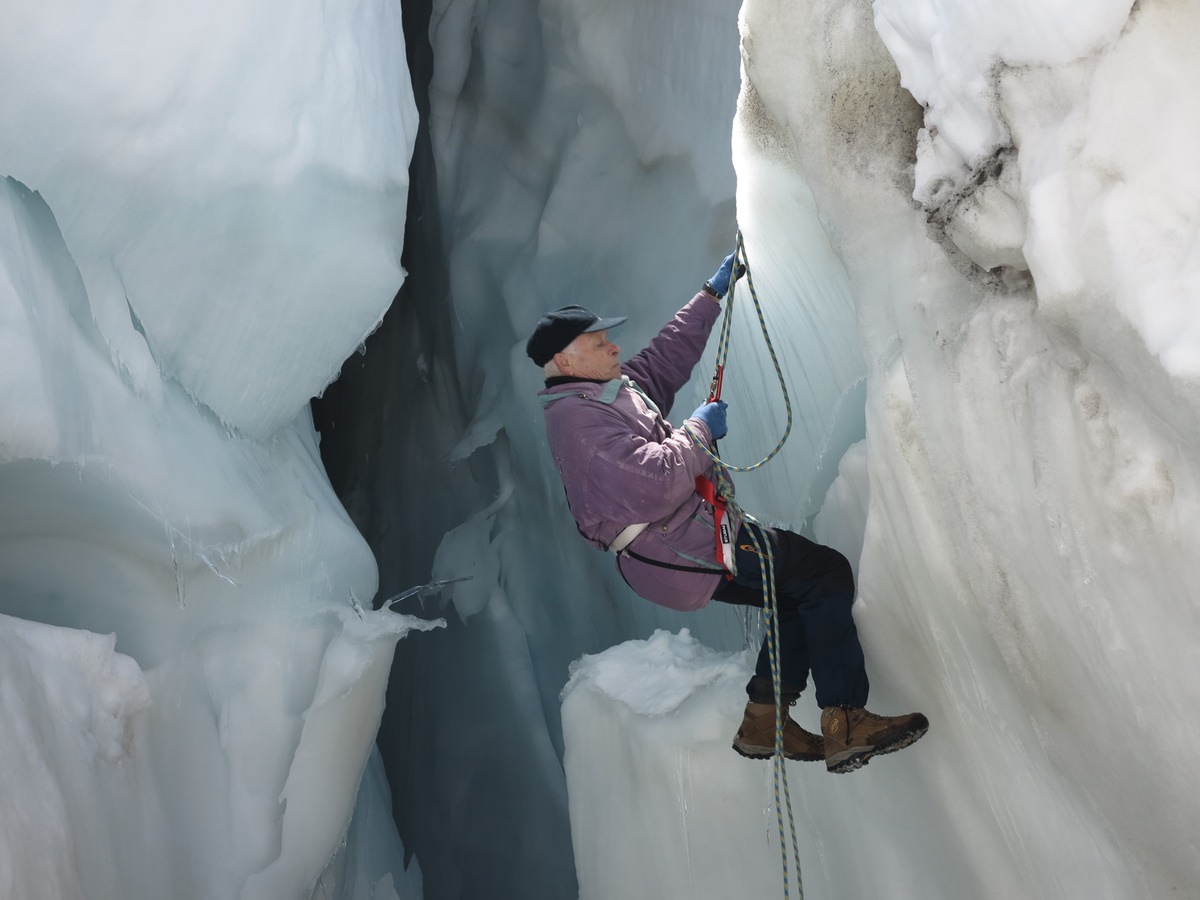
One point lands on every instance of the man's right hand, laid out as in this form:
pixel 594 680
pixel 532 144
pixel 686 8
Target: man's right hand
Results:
pixel 718 285
pixel 713 416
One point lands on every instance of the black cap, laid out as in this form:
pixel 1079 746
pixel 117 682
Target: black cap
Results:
pixel 558 328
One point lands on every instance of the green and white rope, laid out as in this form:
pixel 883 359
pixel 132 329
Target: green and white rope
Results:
pixel 766 557
pixel 723 352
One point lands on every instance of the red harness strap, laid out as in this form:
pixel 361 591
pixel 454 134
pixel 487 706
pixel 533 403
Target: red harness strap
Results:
pixel 724 549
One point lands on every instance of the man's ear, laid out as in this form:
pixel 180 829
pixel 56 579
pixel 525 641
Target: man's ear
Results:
pixel 562 360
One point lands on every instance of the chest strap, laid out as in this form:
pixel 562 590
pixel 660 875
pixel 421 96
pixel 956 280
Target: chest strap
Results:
pixel 625 538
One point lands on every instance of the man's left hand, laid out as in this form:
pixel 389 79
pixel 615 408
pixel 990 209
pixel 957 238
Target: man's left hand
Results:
pixel 713 416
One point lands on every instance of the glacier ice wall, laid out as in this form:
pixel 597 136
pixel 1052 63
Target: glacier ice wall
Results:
pixel 196 225
pixel 991 283
pixel 1018 243
pixel 225 761
pixel 1017 250
pixel 220 171
pixel 556 171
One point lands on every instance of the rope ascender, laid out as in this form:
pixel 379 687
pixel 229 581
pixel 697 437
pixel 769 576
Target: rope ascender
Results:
pixel 762 547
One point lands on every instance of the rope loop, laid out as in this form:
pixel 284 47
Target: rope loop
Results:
pixel 743 259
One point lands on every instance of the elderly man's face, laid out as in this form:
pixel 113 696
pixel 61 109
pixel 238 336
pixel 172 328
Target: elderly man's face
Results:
pixel 591 356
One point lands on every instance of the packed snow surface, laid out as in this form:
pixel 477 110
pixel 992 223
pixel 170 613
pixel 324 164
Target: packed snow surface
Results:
pixel 662 713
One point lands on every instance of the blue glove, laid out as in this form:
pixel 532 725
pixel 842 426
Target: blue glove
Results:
pixel 713 415
pixel 720 281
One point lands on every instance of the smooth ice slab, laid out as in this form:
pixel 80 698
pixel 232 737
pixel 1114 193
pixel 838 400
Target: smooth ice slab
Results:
pixel 231 178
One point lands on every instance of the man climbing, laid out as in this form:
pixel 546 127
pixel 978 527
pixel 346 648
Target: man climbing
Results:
pixel 631 483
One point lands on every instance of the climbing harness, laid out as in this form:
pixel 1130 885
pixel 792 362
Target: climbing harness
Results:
pixel 724 534
pixel 720 494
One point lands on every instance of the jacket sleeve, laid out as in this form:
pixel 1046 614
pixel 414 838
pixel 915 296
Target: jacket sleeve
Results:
pixel 624 477
pixel 666 364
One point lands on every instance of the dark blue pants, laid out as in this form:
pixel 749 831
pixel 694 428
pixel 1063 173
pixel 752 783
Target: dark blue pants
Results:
pixel 814 588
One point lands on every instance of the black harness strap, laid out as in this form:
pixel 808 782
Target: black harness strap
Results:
pixel 672 566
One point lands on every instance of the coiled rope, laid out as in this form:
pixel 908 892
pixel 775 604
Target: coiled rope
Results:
pixel 762 546
pixel 742 263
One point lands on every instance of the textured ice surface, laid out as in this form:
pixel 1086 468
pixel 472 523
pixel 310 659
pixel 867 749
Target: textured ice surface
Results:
pixel 231 176
pixel 159 474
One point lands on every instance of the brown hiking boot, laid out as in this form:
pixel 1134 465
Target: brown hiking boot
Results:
pixel 756 738
pixel 853 736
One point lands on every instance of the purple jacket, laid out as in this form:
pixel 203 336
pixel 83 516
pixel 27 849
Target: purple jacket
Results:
pixel 623 463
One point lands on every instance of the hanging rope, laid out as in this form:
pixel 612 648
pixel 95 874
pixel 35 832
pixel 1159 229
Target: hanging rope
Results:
pixel 742 261
pixel 761 546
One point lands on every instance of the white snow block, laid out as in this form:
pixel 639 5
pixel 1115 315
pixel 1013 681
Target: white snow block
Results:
pixel 660 804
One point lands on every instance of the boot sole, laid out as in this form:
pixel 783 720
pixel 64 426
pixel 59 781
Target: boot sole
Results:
pixel 752 751
pixel 856 757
